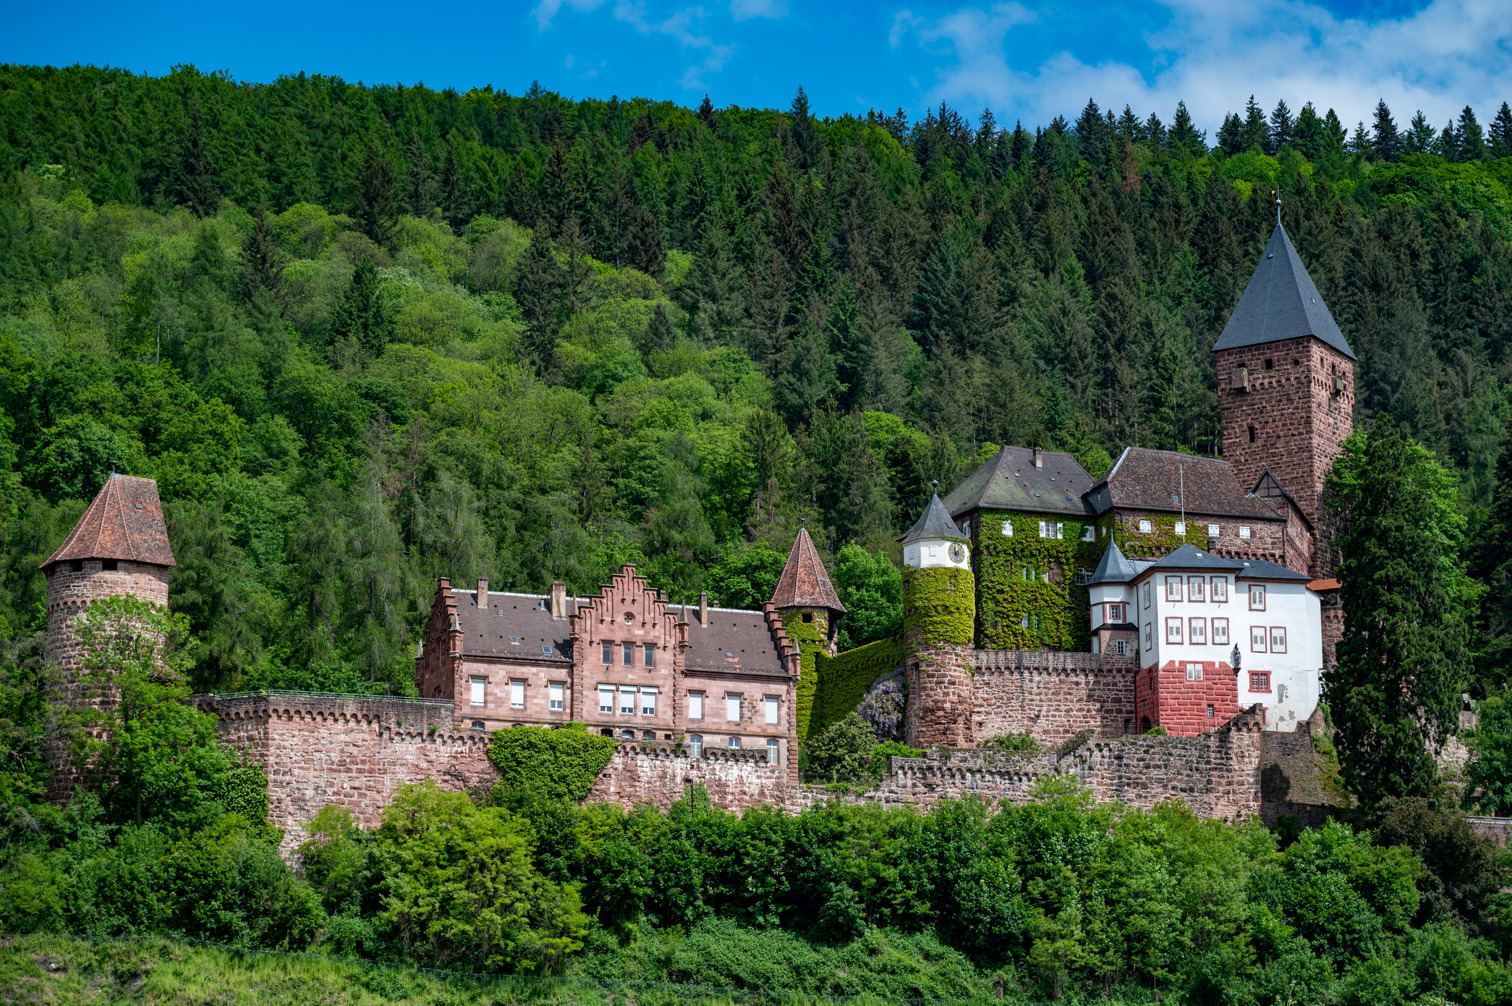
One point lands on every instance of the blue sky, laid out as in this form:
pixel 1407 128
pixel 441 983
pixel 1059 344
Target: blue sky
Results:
pixel 1025 59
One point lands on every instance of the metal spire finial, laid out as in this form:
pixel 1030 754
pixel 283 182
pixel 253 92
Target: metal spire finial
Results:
pixel 1278 206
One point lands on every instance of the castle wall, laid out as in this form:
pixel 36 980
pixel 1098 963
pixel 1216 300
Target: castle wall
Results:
pixel 1052 695
pixel 1265 541
pixel 659 774
pixel 349 751
pixel 1168 697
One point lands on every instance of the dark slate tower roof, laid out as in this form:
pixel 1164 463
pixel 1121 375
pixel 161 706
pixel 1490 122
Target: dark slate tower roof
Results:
pixel 1280 302
pixel 1112 567
pixel 1009 480
pixel 804 583
pixel 125 521
pixel 935 523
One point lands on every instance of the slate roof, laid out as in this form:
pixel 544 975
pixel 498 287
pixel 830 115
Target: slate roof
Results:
pixel 1191 557
pixel 1009 481
pixel 1146 479
pixel 1112 567
pixel 1259 569
pixel 804 583
pixel 525 618
pixel 125 521
pixel 935 523
pixel 1281 302
pixel 735 640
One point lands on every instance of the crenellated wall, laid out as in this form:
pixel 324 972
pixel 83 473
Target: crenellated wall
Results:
pixel 1052 695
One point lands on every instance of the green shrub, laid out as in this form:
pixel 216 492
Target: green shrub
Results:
pixel 559 763
pixel 1011 742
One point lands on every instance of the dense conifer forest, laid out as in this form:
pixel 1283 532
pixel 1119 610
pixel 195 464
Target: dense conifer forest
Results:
pixel 367 336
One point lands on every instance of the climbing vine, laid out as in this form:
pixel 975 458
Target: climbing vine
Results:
pixel 939 602
pixel 560 763
pixel 1048 608
pixel 1160 539
pixel 844 679
pixel 810 637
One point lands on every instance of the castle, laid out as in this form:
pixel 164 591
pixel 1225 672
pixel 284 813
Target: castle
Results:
pixel 1177 591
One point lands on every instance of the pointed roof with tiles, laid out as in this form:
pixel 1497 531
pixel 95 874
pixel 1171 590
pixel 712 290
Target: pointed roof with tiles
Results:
pixel 804 582
pixel 1281 302
pixel 125 521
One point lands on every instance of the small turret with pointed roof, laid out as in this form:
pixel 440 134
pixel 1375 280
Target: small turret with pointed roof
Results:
pixel 936 539
pixel 939 618
pixel 804 596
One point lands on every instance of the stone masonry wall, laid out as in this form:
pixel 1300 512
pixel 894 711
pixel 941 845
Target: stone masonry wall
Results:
pixel 659 774
pixel 1169 697
pixel 941 700
pixel 1052 695
pixel 350 751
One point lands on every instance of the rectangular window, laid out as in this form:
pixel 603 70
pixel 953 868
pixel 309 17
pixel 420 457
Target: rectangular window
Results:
pixel 1210 712
pixel 1173 588
pixel 1220 632
pixel 1007 529
pixel 1259 681
pixel 648 701
pixel 734 743
pixel 772 751
pixel 517 695
pixel 1144 527
pixel 1194 672
pixel 1181 528
pixel 557 696
pixel 478 686
pixel 1257 597
pixel 1088 532
pixel 1115 613
pixel 732 708
pixel 606 699
pixel 1195 588
pixel 1197 631
pixel 1120 647
pixel 628 656
pixel 1212 530
pixel 696 742
pixel 608 653
pixel 1173 630
pixel 1144 593
pixel 1278 638
pixel 1257 639
pixel 1052 529
pixel 1029 576
pixel 695 705
pixel 771 709
pixel 648 653
pixel 1244 531
pixel 1149 637
pixel 1220 590
pixel 627 700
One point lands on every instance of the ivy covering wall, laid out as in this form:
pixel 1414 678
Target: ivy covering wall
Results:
pixel 1051 601
pixel 941 602
pixel 844 679
pixel 1161 539
pixel 560 763
pixel 810 638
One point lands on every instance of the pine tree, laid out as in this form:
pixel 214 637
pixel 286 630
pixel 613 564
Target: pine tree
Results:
pixel 1255 131
pixel 262 261
pixel 454 195
pixel 362 315
pixel 1501 132
pixel 1184 135
pixel 374 201
pixel 658 335
pixel 1281 126
pixel 195 175
pixel 1385 141
pixel 805 134
pixel 1393 697
pixel 1231 135
pixel 1420 136
pixel 1449 143
pixel 706 111
pixel 1472 142
pixel 986 135
pixel 807 382
pixel 539 286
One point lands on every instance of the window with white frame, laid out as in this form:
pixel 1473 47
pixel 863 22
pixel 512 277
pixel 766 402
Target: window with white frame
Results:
pixel 1173 630
pixel 1257 597
pixel 1024 621
pixel 1278 638
pixel 772 751
pixel 1089 532
pixel 696 743
pixel 1181 528
pixel 1144 527
pixel 1220 632
pixel 517 695
pixel 648 701
pixel 1259 681
pixel 732 708
pixel 734 743
pixel 556 696
pixel 627 700
pixel 1115 613
pixel 1195 588
pixel 771 709
pixel 1173 588
pixel 1257 639
pixel 1197 631
pixel 1220 590
pixel 1051 529
pixel 1194 672
pixel 1120 647
pixel 695 705
pixel 478 691
pixel 913 554
pixel 1007 529
pixel 1029 575
pixel 1144 593
pixel 1212 530
pixel 1244 531
pixel 606 698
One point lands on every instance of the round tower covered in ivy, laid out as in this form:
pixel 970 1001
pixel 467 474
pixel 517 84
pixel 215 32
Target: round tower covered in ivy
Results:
pixel 939 610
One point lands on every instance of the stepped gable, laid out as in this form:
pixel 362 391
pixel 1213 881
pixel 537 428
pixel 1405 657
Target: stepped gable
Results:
pixel 1011 480
pixel 512 625
pixel 935 523
pixel 1112 567
pixel 1281 302
pixel 804 583
pixel 734 639
pixel 1145 479
pixel 125 521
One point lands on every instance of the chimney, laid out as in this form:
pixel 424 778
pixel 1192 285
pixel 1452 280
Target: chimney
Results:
pixel 558 599
pixel 703 608
pixel 1039 458
pixel 482 592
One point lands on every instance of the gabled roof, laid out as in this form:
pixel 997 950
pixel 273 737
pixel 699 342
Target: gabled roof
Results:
pixel 1010 481
pixel 1281 302
pixel 935 523
pixel 1146 479
pixel 1112 567
pixel 1192 557
pixel 804 583
pixel 1259 569
pixel 735 640
pixel 513 625
pixel 125 521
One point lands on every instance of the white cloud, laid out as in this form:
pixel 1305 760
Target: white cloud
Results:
pixel 1215 55
pixel 680 26
pixel 744 10
pixel 547 9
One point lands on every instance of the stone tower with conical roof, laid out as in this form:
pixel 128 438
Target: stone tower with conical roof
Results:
pixel 805 598
pixel 119 546
pixel 939 621
pixel 1286 388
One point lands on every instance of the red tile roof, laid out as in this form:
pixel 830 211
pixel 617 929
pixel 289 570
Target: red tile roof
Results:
pixel 125 521
pixel 1147 479
pixel 804 582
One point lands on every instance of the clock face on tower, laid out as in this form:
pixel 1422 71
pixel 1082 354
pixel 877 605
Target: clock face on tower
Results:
pixel 957 552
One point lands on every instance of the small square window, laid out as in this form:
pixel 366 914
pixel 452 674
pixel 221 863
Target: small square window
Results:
pixel 1244 531
pixel 1120 647
pixel 1144 527
pixel 1007 529
pixel 1278 639
pixel 1173 588
pixel 478 688
pixel 648 701
pixel 772 751
pixel 546 651
pixel 1195 588
pixel 1212 530
pixel 627 700
pixel 1220 590
pixel 732 708
pixel 1210 712
pixel 1088 532
pixel 734 743
pixel 696 743
pixel 1259 681
pixel 1029 576
pixel 1257 597
pixel 1115 613
pixel 1194 672
pixel 1181 528
pixel 1197 632
pixel 606 698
